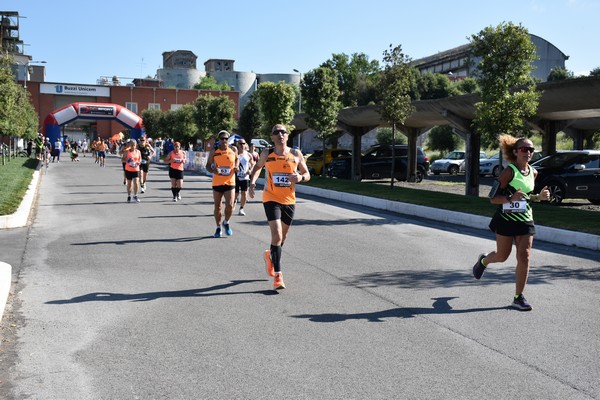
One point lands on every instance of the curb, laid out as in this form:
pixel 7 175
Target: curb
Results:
pixel 5 282
pixel 544 233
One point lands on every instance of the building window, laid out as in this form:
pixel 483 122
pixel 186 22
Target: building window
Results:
pixel 176 106
pixel 154 106
pixel 131 107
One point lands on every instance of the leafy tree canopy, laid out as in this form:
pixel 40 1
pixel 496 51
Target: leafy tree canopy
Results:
pixel 320 93
pixel 356 76
pixel 385 136
pixel 435 86
pixel 18 117
pixel 210 83
pixel 560 74
pixel 395 85
pixel 508 91
pixel 276 103
pixel 442 138
pixel 213 114
pixel 250 119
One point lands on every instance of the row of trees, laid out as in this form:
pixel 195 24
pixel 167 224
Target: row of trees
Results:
pixel 270 104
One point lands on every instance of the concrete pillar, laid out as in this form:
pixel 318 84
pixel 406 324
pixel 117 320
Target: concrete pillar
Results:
pixel 473 145
pixel 412 134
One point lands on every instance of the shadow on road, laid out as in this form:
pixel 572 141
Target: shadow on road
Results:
pixel 440 305
pixel 148 296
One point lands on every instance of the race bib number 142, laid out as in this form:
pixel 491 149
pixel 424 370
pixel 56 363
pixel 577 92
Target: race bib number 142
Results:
pixel 281 180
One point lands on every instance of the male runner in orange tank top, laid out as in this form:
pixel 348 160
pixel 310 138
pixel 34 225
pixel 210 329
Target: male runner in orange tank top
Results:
pixel 284 168
pixel 223 163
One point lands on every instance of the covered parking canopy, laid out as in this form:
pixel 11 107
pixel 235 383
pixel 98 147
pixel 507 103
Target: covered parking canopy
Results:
pixel 571 106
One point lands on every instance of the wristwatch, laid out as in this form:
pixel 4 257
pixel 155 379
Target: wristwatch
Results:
pixel 509 198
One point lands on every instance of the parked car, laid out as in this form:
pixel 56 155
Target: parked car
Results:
pixel 573 174
pixel 491 166
pixel 260 144
pixel 452 163
pixel 376 163
pixel 315 161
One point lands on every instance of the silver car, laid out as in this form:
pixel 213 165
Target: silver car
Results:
pixel 453 163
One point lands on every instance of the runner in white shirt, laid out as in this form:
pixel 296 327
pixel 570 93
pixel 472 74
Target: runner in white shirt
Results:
pixel 243 176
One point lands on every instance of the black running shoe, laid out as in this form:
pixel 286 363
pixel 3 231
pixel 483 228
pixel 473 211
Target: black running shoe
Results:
pixel 521 304
pixel 478 268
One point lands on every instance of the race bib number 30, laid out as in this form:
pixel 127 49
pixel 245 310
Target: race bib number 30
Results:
pixel 224 171
pixel 515 207
pixel 281 180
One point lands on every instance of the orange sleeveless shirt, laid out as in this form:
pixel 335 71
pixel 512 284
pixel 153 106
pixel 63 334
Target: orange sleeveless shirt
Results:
pixel 132 163
pixel 224 163
pixel 177 160
pixel 278 187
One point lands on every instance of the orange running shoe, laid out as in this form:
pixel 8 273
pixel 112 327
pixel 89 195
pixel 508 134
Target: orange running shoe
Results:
pixel 269 263
pixel 278 281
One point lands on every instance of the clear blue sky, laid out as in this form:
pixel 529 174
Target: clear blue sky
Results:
pixel 82 40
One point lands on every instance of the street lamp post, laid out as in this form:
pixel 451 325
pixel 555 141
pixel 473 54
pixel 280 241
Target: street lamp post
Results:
pixel 300 92
pixel 299 106
pixel 26 65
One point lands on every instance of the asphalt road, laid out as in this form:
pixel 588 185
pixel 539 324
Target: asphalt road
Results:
pixel 138 301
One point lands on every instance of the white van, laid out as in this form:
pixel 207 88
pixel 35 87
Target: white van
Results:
pixel 260 144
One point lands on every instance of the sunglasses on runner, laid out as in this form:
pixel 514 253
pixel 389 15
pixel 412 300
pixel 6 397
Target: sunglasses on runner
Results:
pixel 525 149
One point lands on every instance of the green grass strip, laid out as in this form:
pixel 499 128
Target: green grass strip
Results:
pixel 15 176
pixel 545 214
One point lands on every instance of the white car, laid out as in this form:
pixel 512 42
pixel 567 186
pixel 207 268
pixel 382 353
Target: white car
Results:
pixel 452 163
pixel 491 166
pixel 260 144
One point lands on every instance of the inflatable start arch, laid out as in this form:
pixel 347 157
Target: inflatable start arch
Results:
pixel 74 111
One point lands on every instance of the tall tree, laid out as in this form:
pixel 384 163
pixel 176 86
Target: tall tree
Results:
pixel 395 86
pixel 320 93
pixel 276 102
pixel 355 76
pixel 508 92
pixel 443 138
pixel 185 123
pixel 250 119
pixel 18 117
pixel 151 120
pixel 213 114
